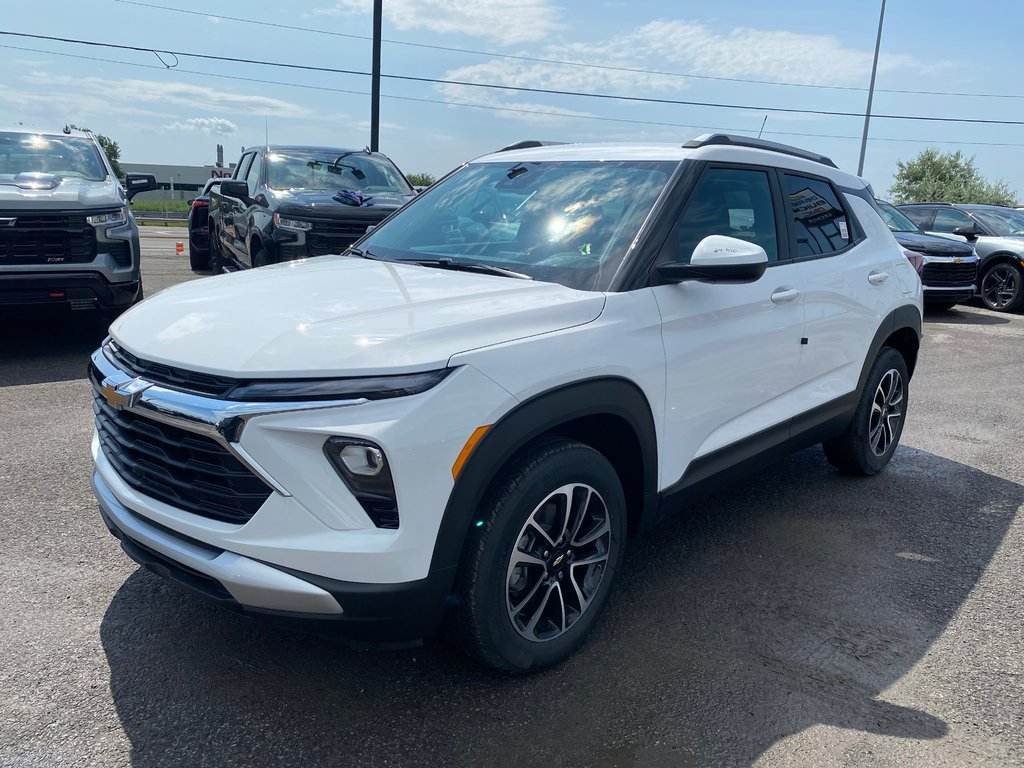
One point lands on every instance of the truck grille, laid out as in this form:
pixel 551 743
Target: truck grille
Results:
pixel 181 468
pixel 329 237
pixel 938 274
pixel 59 237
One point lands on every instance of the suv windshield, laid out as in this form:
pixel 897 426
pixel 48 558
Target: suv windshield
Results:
pixel 65 156
pixel 291 169
pixel 1003 223
pixel 895 220
pixel 561 222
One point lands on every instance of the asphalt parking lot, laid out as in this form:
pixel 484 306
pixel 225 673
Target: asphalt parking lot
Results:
pixel 802 618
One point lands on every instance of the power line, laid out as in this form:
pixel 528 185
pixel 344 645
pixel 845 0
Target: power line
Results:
pixel 524 89
pixel 522 110
pixel 564 62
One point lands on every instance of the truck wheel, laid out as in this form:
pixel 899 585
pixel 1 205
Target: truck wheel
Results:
pixel 216 260
pixel 538 570
pixel 870 440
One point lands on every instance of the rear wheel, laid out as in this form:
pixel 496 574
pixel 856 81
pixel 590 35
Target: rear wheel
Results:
pixel 538 570
pixel 216 258
pixel 870 440
pixel 1002 287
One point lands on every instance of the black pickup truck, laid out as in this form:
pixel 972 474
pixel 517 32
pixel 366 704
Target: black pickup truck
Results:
pixel 285 203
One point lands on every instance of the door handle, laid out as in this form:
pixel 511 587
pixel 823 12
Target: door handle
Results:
pixel 782 295
pixel 877 278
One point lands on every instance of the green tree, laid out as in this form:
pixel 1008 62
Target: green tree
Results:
pixel 112 149
pixel 421 179
pixel 947 177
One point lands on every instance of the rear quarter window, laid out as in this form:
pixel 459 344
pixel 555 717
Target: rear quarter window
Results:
pixel 820 223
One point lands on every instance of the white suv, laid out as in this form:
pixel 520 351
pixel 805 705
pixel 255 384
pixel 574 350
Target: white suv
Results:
pixel 466 416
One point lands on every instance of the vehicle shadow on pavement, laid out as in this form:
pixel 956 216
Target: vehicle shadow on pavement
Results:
pixel 958 317
pixel 797 598
pixel 36 349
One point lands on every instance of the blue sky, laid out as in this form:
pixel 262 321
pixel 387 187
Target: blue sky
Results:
pixel 178 114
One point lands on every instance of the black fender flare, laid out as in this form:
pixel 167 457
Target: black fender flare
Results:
pixel 543 413
pixel 907 316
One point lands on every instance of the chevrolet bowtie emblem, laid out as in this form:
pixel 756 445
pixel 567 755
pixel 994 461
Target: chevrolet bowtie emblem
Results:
pixel 123 395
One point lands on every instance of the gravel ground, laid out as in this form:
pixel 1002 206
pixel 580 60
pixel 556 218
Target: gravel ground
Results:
pixel 802 618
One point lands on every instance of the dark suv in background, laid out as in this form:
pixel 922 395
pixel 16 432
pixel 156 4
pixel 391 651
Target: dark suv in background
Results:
pixel 997 234
pixel 287 203
pixel 948 268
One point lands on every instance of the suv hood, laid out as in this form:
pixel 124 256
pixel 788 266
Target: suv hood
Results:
pixel 932 245
pixel 70 193
pixel 342 316
pixel 321 202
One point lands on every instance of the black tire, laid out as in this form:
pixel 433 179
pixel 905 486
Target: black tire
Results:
pixel 870 440
pixel 110 315
pixel 940 306
pixel 198 260
pixel 216 259
pixel 531 487
pixel 258 255
pixel 1002 287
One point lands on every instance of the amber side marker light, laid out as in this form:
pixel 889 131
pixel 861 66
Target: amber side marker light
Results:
pixel 467 449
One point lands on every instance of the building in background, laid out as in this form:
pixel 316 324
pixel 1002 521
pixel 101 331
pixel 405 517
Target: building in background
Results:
pixel 177 182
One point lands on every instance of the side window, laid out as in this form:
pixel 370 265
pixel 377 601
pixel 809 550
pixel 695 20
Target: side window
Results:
pixel 921 216
pixel 727 201
pixel 820 224
pixel 252 176
pixel 948 219
pixel 242 167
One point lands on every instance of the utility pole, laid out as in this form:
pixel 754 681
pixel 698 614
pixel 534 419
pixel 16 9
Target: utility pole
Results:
pixel 871 92
pixel 375 85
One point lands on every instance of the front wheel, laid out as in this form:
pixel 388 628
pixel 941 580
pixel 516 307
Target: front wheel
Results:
pixel 1002 287
pixel 216 258
pixel 538 571
pixel 870 440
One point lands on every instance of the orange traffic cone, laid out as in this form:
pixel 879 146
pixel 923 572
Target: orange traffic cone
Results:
pixel 179 247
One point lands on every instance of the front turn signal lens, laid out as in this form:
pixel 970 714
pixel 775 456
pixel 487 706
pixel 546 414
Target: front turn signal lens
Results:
pixel 467 450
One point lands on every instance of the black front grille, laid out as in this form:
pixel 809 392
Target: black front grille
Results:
pixel 938 274
pixel 181 468
pixel 329 237
pixel 170 376
pixel 47 238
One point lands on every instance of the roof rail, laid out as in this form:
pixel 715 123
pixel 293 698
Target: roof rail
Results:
pixel 728 139
pixel 927 202
pixel 529 144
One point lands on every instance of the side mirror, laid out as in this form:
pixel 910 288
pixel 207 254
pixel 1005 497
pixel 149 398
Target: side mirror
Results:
pixel 969 232
pixel 134 183
pixel 235 188
pixel 719 259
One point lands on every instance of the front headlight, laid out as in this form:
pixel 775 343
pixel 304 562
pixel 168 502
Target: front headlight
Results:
pixel 109 218
pixel 359 388
pixel 301 226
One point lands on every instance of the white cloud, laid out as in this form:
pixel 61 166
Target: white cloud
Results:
pixel 527 21
pixel 667 47
pixel 206 126
pixel 198 97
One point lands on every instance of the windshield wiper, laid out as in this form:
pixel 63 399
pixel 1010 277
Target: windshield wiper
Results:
pixel 470 266
pixel 365 254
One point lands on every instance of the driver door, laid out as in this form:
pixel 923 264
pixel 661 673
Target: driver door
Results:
pixel 732 351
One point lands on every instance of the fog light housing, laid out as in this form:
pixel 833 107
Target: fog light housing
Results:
pixel 364 468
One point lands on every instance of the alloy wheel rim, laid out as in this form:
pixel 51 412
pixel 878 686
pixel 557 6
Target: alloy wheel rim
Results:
pixel 886 412
pixel 1000 287
pixel 558 562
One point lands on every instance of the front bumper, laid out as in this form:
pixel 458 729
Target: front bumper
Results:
pixel 309 551
pixel 371 612
pixel 78 290
pixel 944 294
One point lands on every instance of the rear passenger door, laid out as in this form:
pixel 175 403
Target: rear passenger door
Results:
pixel 849 267
pixel 731 350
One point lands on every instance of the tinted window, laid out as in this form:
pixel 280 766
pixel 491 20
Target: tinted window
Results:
pixel 894 219
pixel 252 176
pixel 727 201
pixel 948 219
pixel 243 166
pixel 819 221
pixel 921 216
pixel 327 169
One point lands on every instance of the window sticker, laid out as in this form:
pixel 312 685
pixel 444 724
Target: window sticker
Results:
pixel 843 231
